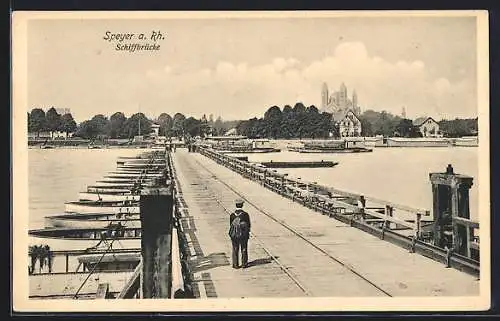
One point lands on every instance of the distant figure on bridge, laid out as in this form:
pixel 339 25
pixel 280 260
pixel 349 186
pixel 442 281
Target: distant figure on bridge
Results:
pixel 239 232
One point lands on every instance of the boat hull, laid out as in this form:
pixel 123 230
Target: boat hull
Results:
pixel 132 176
pixel 89 221
pixel 61 244
pixel 108 197
pixel 107 190
pixel 331 151
pixel 88 234
pixel 114 184
pixel 103 209
pixel 418 142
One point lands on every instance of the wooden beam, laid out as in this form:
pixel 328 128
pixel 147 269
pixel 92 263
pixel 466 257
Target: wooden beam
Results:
pixel 132 285
pixel 466 222
pixel 102 291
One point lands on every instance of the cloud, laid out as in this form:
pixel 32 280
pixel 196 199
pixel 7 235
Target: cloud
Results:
pixel 236 90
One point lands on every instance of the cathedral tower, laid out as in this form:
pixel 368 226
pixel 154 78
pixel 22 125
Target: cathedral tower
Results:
pixel 342 100
pixel 324 96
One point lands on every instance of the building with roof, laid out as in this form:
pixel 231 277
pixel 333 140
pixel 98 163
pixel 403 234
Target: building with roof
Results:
pixel 347 123
pixel 427 126
pixel 339 100
pixel 345 111
pixel 155 130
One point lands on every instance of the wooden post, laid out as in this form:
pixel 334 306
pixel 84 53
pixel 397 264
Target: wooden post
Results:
pixel 444 215
pixel 454 210
pixel 418 228
pixel 388 214
pixel 156 207
pixel 102 291
pixel 67 262
pixel 436 230
pixel 468 239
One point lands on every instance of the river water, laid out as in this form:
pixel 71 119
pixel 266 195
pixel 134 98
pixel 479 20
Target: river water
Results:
pixel 400 175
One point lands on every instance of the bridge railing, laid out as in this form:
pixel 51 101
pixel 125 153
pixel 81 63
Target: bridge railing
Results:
pixel 311 193
pixel 403 225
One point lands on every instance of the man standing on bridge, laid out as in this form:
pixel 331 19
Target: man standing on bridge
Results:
pixel 239 232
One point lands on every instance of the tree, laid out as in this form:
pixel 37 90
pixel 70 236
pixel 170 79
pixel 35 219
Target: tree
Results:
pixel 299 108
pixel 68 124
pixel 272 118
pixel 287 123
pixel 178 124
pixel 165 124
pixel 366 127
pixel 300 117
pixel 405 128
pixel 381 123
pixel 134 123
pixel 53 120
pixel 192 127
pixel 116 125
pixel 101 124
pixel 37 121
pixel 459 127
pixel 218 126
pixel 96 127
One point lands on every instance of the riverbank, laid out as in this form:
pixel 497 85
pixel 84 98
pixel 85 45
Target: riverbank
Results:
pixel 383 142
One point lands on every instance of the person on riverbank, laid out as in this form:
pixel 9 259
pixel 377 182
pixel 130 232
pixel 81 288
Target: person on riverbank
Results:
pixel 239 232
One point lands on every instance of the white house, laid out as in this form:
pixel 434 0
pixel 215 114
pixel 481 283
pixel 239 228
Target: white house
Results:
pixel 155 130
pixel 50 135
pixel 427 126
pixel 347 123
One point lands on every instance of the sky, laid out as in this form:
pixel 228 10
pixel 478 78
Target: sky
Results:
pixel 237 68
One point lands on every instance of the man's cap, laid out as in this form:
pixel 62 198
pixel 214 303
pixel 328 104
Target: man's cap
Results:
pixel 238 201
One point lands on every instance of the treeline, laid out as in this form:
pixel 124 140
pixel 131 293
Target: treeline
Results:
pixel 308 122
pixel 52 121
pixel 296 122
pixel 459 127
pixel 119 126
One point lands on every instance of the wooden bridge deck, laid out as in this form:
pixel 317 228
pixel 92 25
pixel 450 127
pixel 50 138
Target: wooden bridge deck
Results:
pixel 294 251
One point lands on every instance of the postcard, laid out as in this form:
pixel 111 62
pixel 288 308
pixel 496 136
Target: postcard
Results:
pixel 250 161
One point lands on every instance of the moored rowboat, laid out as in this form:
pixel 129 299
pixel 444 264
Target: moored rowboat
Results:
pixel 107 197
pixel 124 180
pixel 83 233
pixel 108 190
pixel 91 220
pixel 132 175
pixel 84 207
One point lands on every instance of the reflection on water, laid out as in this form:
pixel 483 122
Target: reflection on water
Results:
pixel 400 175
pixel 58 175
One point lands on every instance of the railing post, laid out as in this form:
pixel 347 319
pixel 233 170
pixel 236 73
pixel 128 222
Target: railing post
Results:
pixel 418 226
pixel 388 214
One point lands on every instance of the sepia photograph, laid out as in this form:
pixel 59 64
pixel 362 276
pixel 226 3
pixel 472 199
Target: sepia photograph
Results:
pixel 250 161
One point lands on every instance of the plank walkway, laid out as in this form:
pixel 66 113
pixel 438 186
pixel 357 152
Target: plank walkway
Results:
pixel 294 251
